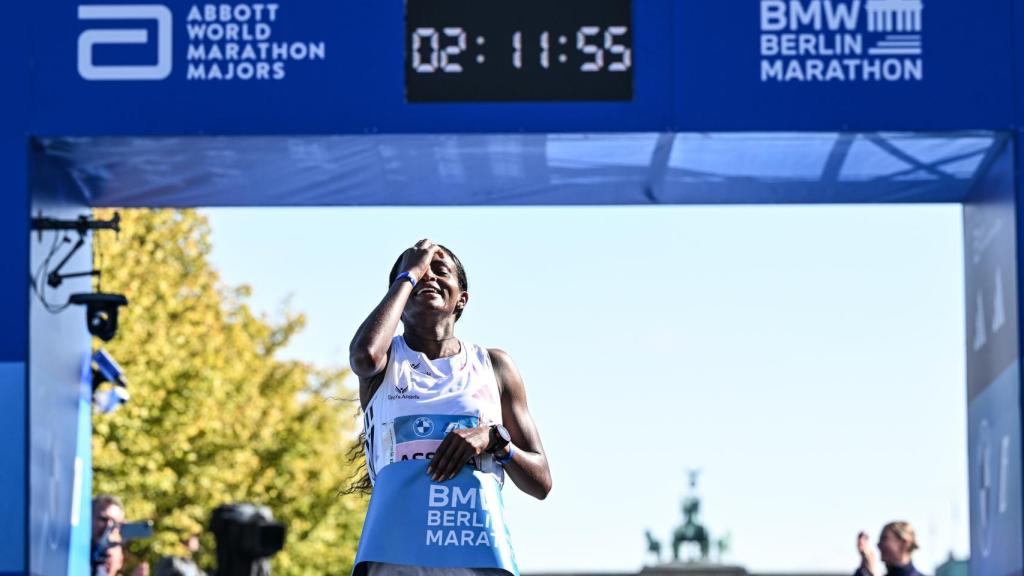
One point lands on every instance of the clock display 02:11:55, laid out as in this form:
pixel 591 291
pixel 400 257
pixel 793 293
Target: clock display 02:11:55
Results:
pixel 480 50
pixel 448 49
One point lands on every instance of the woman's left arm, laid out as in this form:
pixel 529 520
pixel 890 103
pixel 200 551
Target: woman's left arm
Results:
pixel 529 465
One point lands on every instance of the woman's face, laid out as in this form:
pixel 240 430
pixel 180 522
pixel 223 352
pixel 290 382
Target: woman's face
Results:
pixel 437 292
pixel 893 550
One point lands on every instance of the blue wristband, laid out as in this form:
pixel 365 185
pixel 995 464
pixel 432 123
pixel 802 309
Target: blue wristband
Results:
pixel 406 276
pixel 506 459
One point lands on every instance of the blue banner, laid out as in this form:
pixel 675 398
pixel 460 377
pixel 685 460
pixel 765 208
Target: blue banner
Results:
pixel 994 470
pixel 993 371
pixel 12 462
pixel 80 543
pixel 412 520
pixel 325 67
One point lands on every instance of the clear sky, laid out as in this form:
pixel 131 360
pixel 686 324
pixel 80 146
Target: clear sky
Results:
pixel 809 360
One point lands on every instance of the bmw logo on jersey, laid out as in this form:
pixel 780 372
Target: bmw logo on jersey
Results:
pixel 423 426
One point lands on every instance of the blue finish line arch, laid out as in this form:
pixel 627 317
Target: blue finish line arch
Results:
pixel 437 102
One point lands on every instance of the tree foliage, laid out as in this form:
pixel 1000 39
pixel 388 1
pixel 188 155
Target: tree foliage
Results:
pixel 214 416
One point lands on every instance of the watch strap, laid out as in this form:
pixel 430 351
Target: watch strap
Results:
pixel 406 276
pixel 507 458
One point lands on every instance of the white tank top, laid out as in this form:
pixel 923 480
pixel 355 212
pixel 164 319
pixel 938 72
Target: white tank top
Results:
pixel 420 400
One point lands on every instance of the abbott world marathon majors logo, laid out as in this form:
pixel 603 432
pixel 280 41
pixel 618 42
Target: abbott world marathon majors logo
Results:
pixel 841 41
pixel 225 42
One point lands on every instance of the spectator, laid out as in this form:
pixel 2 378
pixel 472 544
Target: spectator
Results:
pixel 106 550
pixel 896 543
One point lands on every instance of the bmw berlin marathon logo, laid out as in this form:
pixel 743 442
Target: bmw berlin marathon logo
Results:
pixel 841 40
pixel 423 426
pixel 226 42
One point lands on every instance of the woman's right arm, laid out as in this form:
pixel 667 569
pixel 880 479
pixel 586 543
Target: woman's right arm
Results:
pixel 368 352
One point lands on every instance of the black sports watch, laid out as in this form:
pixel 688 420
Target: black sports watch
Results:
pixel 499 438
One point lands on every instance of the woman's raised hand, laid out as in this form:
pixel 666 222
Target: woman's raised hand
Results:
pixel 416 260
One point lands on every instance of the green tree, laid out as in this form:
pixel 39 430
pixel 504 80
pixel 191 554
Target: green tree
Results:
pixel 214 416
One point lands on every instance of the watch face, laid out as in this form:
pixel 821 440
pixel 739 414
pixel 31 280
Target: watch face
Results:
pixel 499 438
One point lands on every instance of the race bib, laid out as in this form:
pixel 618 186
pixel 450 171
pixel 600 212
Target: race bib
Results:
pixel 417 437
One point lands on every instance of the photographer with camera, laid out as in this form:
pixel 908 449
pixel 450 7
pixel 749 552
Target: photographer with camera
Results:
pixel 247 537
pixel 107 545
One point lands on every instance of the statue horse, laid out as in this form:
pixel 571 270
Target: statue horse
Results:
pixel 691 531
pixel 693 534
pixel 653 546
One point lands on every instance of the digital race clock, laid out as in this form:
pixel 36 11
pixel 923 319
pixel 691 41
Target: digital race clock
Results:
pixel 511 50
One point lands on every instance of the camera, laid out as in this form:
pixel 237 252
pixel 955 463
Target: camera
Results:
pixel 247 536
pixel 106 369
pixel 100 312
pixel 137 530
